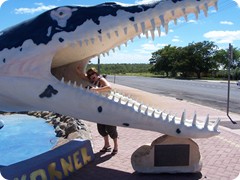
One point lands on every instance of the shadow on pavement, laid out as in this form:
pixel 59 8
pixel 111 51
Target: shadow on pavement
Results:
pixel 94 172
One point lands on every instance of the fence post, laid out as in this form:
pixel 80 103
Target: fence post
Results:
pixel 230 58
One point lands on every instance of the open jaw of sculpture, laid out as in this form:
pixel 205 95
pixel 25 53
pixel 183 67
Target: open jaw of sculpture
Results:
pixel 58 44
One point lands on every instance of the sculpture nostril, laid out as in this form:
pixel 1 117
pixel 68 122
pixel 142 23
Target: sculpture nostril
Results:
pixel 178 131
pixel 100 109
pixel 126 124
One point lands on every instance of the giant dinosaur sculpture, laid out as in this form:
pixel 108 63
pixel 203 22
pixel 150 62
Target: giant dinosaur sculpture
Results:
pixel 58 44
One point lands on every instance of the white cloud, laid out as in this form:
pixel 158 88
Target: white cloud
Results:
pixel 223 36
pixel 149 47
pixel 192 21
pixel 40 7
pixel 226 22
pixel 124 57
pixel 176 39
pixel 238 2
pixel 145 1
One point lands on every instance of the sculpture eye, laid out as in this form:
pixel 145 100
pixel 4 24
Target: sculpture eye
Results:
pixel 61 15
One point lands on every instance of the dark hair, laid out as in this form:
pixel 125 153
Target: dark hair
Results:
pixel 91 71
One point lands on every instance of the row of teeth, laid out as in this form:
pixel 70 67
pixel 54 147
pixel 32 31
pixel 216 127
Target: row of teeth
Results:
pixel 151 112
pixel 154 26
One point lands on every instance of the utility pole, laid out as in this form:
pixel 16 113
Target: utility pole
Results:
pixel 230 59
pixel 99 65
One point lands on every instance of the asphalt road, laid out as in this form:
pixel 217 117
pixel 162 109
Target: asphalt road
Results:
pixel 208 93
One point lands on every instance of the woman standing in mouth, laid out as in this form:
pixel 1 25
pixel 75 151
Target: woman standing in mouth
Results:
pixel 101 85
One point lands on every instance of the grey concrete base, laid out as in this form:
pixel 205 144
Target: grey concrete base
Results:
pixel 167 154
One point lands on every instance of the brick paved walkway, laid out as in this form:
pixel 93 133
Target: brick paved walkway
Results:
pixel 220 157
pixel 220 154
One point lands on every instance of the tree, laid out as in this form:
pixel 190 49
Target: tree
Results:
pixel 164 59
pixel 221 58
pixel 236 58
pixel 200 57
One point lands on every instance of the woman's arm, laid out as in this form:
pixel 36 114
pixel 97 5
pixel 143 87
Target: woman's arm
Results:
pixel 105 86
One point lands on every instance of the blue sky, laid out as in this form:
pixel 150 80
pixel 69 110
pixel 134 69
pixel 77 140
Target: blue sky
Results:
pixel 221 27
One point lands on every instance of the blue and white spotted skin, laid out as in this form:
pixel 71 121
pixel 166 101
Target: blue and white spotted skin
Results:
pixel 58 44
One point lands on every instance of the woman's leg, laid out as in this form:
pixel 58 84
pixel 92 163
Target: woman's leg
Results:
pixel 112 131
pixel 102 131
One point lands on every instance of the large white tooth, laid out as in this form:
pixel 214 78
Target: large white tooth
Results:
pixel 86 41
pixel 196 14
pixel 205 12
pixel 173 16
pixel 166 28
pixel 143 27
pixel 125 30
pixel 119 100
pixel 140 108
pixel 162 20
pixel 151 114
pixel 147 111
pixel 80 43
pixel 69 82
pixel 206 6
pixel 161 116
pixel 152 34
pixel 116 33
pixel 110 97
pixel 206 122
pixel 92 40
pixel 173 13
pixel 108 35
pixel 159 31
pixel 215 125
pixel 216 6
pixel 75 84
pixel 153 24
pixel 81 86
pixel 194 122
pixel 198 9
pixel 136 27
pixel 100 38
pixel 167 118
pixel 125 44
pixel 174 119
pixel 185 14
pixel 88 87
pixel 175 21
pixel 183 118
pixel 146 34
pixel 62 80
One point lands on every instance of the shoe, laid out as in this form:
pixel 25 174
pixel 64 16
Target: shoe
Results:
pixel 114 152
pixel 106 149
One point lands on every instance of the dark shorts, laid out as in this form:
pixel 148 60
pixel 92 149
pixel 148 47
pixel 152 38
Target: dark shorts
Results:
pixel 105 130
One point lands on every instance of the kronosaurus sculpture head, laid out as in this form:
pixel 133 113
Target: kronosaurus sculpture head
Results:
pixel 37 53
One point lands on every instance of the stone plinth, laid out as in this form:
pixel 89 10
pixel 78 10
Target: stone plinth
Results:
pixel 167 154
